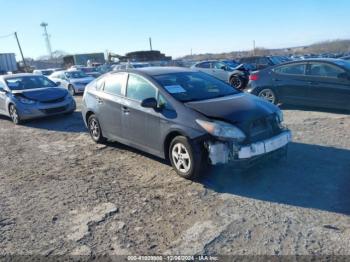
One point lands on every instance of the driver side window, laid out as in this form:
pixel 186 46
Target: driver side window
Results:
pixel 325 70
pixel 139 89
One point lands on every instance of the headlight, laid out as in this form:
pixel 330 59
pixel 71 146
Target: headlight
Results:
pixel 26 100
pixel 222 130
pixel 279 116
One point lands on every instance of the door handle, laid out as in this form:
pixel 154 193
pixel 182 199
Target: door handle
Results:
pixel 99 100
pixel 125 109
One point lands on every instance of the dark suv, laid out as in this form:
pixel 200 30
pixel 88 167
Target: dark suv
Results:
pixel 261 62
pixel 183 115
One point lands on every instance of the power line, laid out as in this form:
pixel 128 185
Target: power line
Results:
pixel 4 36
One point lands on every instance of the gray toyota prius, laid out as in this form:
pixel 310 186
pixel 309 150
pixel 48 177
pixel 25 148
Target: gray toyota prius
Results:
pixel 28 96
pixel 183 115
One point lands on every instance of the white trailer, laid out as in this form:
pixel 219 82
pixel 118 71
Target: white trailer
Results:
pixel 8 62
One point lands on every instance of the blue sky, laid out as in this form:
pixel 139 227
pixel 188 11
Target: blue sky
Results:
pixel 175 26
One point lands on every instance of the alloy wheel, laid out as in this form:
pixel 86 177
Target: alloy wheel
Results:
pixel 236 82
pixel 14 115
pixel 181 158
pixel 268 95
pixel 94 129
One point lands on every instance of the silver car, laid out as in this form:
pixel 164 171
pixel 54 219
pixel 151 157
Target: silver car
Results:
pixel 74 80
pixel 28 96
pixel 235 76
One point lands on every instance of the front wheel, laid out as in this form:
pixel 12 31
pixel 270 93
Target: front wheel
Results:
pixel 71 90
pixel 14 115
pixel 237 82
pixel 268 95
pixel 185 157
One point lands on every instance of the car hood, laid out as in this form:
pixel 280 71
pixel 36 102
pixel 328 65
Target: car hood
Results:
pixel 42 94
pixel 84 80
pixel 236 109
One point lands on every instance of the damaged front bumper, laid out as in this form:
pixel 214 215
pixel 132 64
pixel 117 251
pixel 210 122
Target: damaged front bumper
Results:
pixel 225 152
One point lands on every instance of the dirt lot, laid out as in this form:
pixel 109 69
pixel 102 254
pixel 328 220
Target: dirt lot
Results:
pixel 62 194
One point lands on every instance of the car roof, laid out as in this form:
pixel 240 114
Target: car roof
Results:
pixel 16 75
pixel 157 70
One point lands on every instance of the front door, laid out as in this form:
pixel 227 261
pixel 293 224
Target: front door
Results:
pixel 326 86
pixel 219 71
pixel 141 126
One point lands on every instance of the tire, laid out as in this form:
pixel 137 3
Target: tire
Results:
pixel 237 82
pixel 14 115
pixel 186 157
pixel 268 95
pixel 71 90
pixel 95 130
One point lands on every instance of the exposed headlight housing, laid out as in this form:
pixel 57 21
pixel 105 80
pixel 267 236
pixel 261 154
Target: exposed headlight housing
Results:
pixel 222 130
pixel 26 100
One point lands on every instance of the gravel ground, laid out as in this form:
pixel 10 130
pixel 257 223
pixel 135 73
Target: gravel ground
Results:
pixel 62 194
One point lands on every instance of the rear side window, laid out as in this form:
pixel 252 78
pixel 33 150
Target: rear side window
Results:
pixel 324 70
pixel 139 89
pixel 204 65
pixel 113 84
pixel 298 69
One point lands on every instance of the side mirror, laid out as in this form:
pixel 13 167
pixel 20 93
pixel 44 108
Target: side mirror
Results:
pixel 150 103
pixel 58 83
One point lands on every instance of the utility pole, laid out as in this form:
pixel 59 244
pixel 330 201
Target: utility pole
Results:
pixel 47 38
pixel 254 47
pixel 150 43
pixel 20 50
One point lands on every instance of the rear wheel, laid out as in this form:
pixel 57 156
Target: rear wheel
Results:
pixel 185 157
pixel 14 115
pixel 71 90
pixel 95 130
pixel 268 95
pixel 237 82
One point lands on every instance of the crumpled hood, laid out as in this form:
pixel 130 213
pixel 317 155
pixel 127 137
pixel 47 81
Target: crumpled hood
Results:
pixel 85 80
pixel 235 109
pixel 43 94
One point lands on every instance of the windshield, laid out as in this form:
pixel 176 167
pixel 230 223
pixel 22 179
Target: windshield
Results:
pixel 29 82
pixel 231 64
pixel 194 86
pixel 47 72
pixel 343 63
pixel 75 74
pixel 139 65
pixel 88 69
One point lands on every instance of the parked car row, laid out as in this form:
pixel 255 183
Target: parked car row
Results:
pixel 186 116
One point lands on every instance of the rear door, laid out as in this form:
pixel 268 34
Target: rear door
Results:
pixel 325 87
pixel 291 83
pixel 141 126
pixel 109 103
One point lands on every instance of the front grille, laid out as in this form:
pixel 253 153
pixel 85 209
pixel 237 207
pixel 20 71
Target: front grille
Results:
pixel 263 128
pixel 54 110
pixel 58 100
